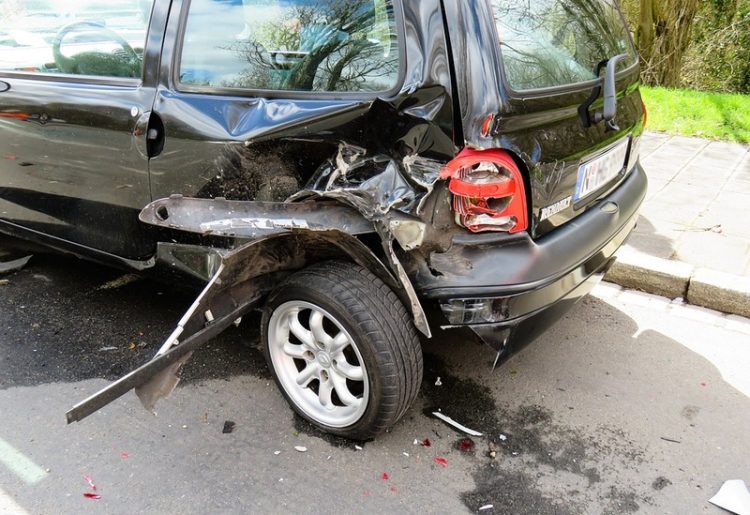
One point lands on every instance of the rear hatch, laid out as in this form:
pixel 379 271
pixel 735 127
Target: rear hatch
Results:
pixel 553 56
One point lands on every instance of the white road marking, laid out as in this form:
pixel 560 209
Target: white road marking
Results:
pixel 20 465
pixel 9 506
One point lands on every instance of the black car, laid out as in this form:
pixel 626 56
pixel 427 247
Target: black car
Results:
pixel 345 166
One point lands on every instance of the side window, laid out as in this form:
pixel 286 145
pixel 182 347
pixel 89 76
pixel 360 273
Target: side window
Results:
pixel 103 38
pixel 295 45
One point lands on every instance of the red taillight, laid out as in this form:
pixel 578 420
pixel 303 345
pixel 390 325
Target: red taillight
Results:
pixel 488 191
pixel 645 114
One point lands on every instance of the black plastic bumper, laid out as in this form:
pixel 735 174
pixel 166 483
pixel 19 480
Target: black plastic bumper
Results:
pixel 511 290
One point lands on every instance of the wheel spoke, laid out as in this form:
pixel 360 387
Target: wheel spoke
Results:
pixel 339 383
pixel 308 374
pixel 325 389
pixel 300 332
pixel 349 371
pixel 294 351
pixel 339 343
pixel 316 325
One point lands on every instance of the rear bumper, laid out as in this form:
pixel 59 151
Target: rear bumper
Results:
pixel 511 290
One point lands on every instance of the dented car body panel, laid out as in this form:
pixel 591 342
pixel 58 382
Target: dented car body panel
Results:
pixel 237 187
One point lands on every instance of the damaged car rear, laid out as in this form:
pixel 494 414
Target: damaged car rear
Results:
pixel 345 167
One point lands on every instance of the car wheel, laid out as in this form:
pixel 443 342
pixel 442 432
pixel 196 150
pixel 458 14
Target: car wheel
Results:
pixel 343 349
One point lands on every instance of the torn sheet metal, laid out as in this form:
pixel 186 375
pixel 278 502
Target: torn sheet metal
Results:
pixel 243 277
pixel 252 219
pixel 331 223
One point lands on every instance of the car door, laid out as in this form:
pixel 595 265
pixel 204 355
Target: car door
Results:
pixel 77 83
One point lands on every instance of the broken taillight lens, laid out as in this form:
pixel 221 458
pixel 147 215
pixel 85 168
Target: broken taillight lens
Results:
pixel 488 191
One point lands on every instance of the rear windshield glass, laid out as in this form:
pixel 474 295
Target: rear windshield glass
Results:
pixel 301 45
pixel 549 43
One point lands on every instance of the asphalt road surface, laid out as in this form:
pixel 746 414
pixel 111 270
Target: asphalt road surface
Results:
pixel 630 405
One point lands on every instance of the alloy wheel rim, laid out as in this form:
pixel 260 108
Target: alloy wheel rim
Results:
pixel 318 364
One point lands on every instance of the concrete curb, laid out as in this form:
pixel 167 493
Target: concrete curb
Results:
pixel 672 279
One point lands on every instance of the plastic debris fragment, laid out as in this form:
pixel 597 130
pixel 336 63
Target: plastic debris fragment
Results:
pixel 503 437
pixel 7 267
pixel 357 447
pixel 228 427
pixel 733 496
pixel 466 444
pixel 106 349
pixel 486 507
pixel 385 476
pixel 438 382
pixel 91 495
pixel 124 455
pixel 405 454
pixel 455 424
pixel 426 443
pixel 300 448
pixel 441 461
pixel 276 453
pixel 90 482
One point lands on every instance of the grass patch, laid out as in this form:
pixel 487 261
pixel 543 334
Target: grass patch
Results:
pixel 697 113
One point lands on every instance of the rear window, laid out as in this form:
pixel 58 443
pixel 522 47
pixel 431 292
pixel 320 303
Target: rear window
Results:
pixel 550 43
pixel 291 45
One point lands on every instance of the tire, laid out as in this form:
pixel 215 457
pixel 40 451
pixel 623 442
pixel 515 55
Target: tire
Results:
pixel 364 324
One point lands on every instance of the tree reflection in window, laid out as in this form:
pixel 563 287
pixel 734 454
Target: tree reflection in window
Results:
pixel 547 43
pixel 300 45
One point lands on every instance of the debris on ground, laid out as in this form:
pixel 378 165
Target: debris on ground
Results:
pixel 357 447
pixel 7 267
pixel 405 454
pixel 228 427
pixel 465 444
pixel 733 496
pixel 90 482
pixel 441 461
pixel 492 450
pixel 393 488
pixel 426 443
pixel 438 382
pixel 119 282
pixel 669 439
pixel 91 495
pixel 3 282
pixel 276 453
pixel 486 507
pixel 455 424
pixel 300 448
pixel 107 349
pixel 132 346
pixel 385 476
pixel 503 437
pixel 124 455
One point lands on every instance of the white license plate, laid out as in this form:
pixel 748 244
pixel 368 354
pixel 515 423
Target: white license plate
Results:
pixel 595 174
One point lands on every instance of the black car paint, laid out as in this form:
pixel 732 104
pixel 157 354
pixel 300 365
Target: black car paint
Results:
pixel 451 84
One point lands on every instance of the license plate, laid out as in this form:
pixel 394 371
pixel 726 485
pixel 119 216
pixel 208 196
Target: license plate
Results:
pixel 595 174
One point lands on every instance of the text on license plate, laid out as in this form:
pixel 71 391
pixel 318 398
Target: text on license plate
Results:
pixel 595 174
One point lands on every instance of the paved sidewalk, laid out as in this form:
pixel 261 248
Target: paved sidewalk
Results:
pixel 698 206
pixel 693 238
